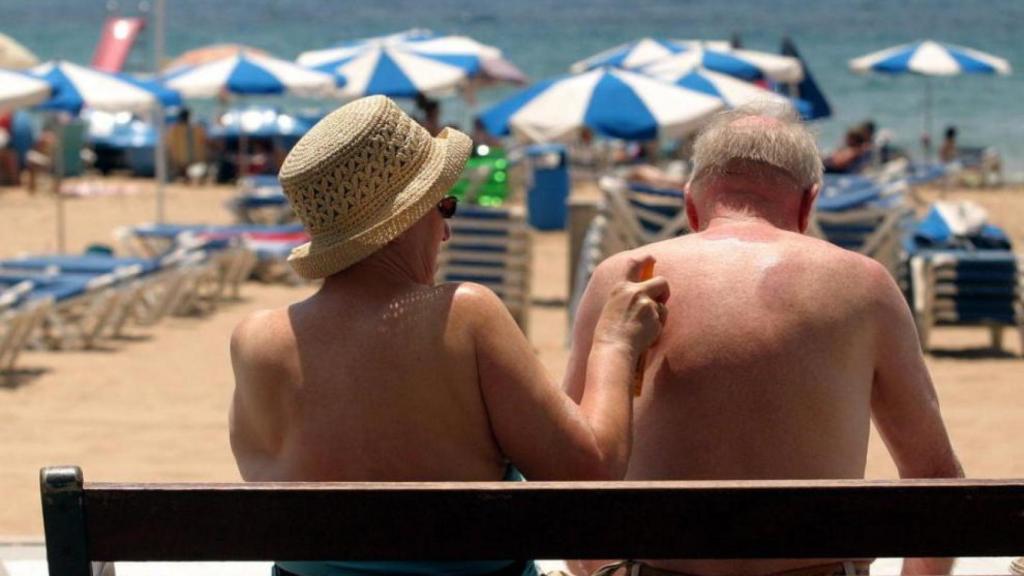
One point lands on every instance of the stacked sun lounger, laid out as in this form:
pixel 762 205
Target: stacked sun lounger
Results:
pixel 631 214
pixel 490 246
pixel 866 215
pixel 93 294
pixel 961 271
pixel 239 250
pixel 20 314
pixel 643 213
pixel 261 201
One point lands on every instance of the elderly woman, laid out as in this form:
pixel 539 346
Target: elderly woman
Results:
pixel 383 376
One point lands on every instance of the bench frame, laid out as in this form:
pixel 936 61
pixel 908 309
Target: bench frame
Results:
pixel 498 520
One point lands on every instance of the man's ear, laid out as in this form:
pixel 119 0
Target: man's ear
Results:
pixel 806 205
pixel 691 210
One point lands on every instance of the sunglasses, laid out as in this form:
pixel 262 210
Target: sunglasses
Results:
pixel 447 206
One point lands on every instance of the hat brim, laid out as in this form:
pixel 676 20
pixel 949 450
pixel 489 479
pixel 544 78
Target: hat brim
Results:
pixel 329 254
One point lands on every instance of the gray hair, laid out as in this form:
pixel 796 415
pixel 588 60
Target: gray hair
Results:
pixel 760 133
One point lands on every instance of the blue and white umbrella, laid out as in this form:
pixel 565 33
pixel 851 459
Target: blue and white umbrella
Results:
pixel 930 58
pixel 613 103
pixel 632 55
pixel 405 64
pixel 250 74
pixel 75 87
pixel 18 89
pixel 732 91
pixel 748 65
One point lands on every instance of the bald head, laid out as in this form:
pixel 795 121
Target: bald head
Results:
pixel 763 142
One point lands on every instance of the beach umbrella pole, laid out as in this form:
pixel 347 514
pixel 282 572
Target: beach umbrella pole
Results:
pixel 57 166
pixel 161 165
pixel 243 156
pixel 161 116
pixel 927 141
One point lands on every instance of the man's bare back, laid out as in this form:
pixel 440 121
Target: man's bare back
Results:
pixel 779 349
pixel 770 336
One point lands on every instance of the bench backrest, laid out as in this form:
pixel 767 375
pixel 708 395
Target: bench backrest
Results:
pixel 479 521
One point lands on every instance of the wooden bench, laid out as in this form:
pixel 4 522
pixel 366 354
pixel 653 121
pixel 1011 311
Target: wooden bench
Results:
pixel 480 521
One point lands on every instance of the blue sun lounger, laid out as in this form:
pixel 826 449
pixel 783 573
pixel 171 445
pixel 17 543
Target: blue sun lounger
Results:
pixel 970 279
pixel 82 303
pixel 19 318
pixel 490 246
pixel 261 201
pixel 864 215
pixel 643 214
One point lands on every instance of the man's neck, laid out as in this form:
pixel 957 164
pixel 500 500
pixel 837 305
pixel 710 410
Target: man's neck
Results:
pixel 726 219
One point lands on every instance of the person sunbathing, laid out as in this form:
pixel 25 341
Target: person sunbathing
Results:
pixel 383 376
pixel 778 349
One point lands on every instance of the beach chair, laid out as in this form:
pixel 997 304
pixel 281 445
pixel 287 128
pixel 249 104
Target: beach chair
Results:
pixel 864 215
pixel 601 240
pixel 225 246
pixel 19 318
pixel 490 246
pixel 82 305
pixel 143 286
pixel 261 201
pixel 645 214
pixel 957 276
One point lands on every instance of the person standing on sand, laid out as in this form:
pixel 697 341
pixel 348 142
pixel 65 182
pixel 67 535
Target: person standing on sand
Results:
pixel 778 349
pixel 383 376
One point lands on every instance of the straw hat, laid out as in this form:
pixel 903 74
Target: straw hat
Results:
pixel 362 176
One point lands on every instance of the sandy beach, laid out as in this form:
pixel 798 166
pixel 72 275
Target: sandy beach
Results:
pixel 153 407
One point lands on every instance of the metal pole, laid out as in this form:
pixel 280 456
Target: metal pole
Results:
pixel 161 145
pixel 928 118
pixel 57 165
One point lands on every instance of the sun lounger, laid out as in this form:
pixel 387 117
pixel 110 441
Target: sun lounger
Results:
pixel 864 215
pixel 490 246
pixel 19 318
pixel 970 278
pixel 645 213
pixel 83 304
pixel 261 201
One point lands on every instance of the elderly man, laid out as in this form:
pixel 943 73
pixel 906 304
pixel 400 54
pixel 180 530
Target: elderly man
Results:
pixel 778 349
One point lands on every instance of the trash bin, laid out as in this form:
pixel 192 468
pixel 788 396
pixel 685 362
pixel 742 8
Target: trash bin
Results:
pixel 548 193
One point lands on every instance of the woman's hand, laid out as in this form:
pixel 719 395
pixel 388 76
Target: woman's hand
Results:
pixel 635 311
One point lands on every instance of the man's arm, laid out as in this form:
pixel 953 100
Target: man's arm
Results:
pixel 904 405
pixel 538 427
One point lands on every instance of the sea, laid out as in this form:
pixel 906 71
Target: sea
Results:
pixel 543 37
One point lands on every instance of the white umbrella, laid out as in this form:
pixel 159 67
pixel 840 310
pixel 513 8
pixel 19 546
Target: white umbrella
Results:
pixel 249 74
pixel 18 90
pixel 409 63
pixel 76 87
pixel 14 55
pixel 612 102
pixel 930 58
pixel 732 91
pixel 745 64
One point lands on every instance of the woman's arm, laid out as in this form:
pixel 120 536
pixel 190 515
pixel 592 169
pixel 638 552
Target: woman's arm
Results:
pixel 540 429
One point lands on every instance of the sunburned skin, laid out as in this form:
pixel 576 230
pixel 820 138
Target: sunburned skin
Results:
pixel 766 366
